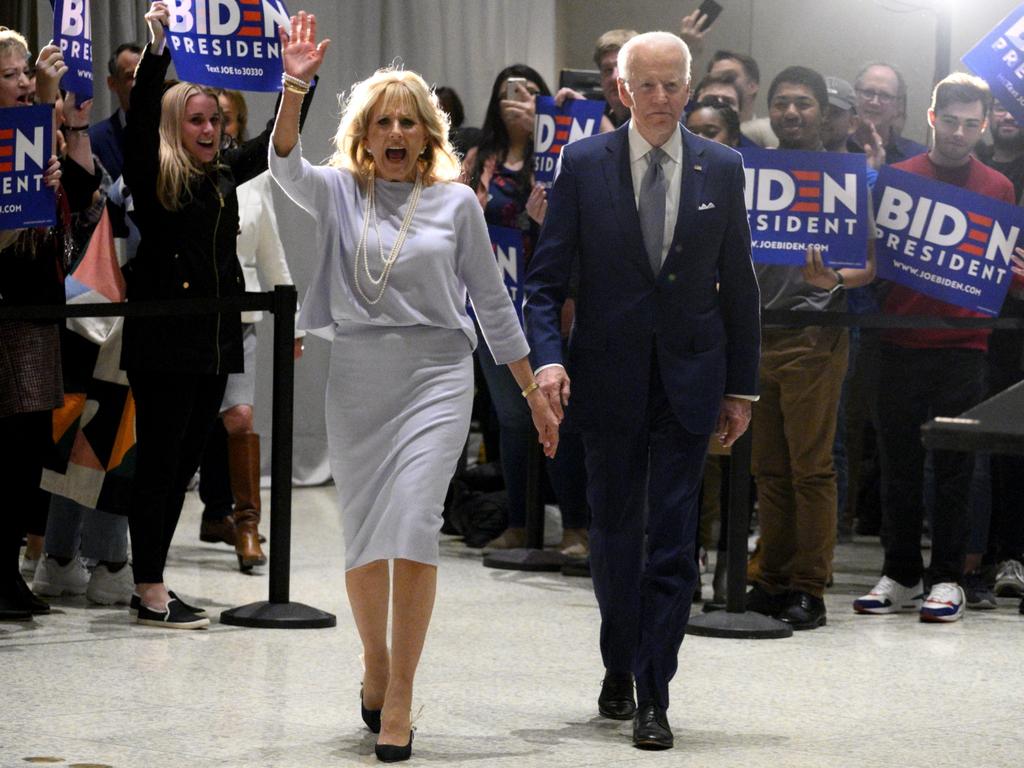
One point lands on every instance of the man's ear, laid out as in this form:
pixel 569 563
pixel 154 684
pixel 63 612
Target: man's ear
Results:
pixel 624 95
pixel 931 117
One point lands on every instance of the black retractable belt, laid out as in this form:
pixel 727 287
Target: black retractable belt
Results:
pixel 278 611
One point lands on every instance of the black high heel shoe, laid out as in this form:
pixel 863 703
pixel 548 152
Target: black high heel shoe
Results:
pixel 394 753
pixel 370 716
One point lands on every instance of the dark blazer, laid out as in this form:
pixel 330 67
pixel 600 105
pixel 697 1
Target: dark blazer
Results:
pixel 700 313
pixel 107 139
pixel 188 253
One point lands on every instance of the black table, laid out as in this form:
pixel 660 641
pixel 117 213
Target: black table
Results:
pixel 994 426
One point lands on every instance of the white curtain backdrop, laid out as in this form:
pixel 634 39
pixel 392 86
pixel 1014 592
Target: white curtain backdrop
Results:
pixel 459 43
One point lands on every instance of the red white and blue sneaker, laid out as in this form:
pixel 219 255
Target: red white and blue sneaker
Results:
pixel 944 603
pixel 889 596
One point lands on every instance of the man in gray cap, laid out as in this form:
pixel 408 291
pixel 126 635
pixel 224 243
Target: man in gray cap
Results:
pixel 839 115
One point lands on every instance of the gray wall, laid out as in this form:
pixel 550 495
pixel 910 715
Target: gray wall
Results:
pixel 833 36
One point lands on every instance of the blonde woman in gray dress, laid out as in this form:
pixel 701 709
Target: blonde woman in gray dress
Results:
pixel 399 243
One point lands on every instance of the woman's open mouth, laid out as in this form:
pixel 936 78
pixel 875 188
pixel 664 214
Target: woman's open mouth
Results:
pixel 395 154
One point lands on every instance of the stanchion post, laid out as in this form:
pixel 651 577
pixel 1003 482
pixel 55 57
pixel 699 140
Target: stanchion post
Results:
pixel 278 612
pixel 281 445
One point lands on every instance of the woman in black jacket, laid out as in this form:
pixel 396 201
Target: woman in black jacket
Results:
pixel 185 207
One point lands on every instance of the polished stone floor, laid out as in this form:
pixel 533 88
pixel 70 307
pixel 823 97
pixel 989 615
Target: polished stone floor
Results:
pixel 509 678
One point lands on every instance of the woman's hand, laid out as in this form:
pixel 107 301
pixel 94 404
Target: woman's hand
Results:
pixel 76 116
pixel 545 421
pixel 567 93
pixel 51 176
pixel 301 54
pixel 1017 267
pixel 50 68
pixel 537 204
pixel 816 273
pixel 157 18
pixel 519 113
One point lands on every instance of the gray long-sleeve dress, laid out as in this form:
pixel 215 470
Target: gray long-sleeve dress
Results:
pixel 400 386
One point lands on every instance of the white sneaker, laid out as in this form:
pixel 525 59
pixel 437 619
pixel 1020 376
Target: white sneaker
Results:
pixel 28 567
pixel 889 596
pixel 945 602
pixel 53 579
pixel 1010 579
pixel 106 588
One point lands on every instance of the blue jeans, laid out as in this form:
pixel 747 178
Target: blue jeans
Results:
pixel 566 471
pixel 75 529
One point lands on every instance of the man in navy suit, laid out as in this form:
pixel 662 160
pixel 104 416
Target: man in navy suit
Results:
pixel 107 137
pixel 664 352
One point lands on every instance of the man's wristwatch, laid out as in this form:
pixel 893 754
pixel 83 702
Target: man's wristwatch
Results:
pixel 840 285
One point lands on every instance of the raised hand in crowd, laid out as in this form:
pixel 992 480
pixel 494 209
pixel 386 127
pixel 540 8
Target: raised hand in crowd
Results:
pixel 157 17
pixel 51 176
pixel 50 68
pixel 75 120
pixel 570 93
pixel 537 203
pixel 521 110
pixel 301 54
pixel 874 148
pixel 692 29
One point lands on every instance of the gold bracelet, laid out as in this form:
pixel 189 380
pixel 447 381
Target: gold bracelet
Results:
pixel 292 89
pixel 530 388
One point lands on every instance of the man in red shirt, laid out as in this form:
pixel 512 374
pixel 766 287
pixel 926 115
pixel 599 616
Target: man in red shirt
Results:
pixel 929 373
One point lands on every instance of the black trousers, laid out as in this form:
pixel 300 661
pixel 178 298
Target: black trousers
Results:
pixel 916 385
pixel 26 438
pixel 643 565
pixel 174 413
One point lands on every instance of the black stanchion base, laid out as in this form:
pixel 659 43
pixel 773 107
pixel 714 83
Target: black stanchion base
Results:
pixel 747 626
pixel 266 615
pixel 710 607
pixel 525 560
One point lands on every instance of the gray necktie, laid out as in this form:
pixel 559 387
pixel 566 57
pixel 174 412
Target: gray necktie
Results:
pixel 652 207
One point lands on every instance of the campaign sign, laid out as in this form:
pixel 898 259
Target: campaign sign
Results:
pixel 26 138
pixel 72 31
pixel 228 43
pixel 558 126
pixel 944 241
pixel 999 60
pixel 798 199
pixel 507 244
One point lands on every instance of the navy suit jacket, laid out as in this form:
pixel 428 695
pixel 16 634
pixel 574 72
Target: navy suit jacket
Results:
pixel 701 313
pixel 107 139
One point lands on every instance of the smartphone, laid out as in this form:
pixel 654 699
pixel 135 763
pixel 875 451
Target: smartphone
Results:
pixel 711 9
pixel 512 88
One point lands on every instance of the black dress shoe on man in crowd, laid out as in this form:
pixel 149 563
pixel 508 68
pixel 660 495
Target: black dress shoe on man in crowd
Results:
pixel 616 700
pixel 650 728
pixel 803 611
pixel 760 600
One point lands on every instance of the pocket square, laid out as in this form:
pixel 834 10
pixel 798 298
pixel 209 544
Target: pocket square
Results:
pixel 705 206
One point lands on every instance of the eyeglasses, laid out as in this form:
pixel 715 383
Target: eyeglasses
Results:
pixel 870 95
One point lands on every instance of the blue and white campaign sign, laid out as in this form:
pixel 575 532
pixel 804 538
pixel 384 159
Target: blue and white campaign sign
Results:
pixel 999 59
pixel 943 241
pixel 508 250
pixel 26 138
pixel 799 199
pixel 72 31
pixel 228 43
pixel 558 126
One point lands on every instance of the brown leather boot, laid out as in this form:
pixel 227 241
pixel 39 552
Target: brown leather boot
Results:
pixel 218 530
pixel 244 472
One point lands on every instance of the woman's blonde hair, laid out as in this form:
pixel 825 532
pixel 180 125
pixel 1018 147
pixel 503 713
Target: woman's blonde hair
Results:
pixel 177 166
pixel 12 40
pixel 409 92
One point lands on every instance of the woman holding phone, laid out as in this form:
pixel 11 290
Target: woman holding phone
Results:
pixel 500 169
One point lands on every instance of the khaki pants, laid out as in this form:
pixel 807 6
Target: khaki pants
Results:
pixel 794 427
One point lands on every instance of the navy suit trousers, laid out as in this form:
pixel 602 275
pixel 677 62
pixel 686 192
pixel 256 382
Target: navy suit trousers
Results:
pixel 643 490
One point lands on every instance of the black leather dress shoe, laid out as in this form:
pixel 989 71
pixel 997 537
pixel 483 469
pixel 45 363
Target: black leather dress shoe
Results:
pixel 803 611
pixel 616 700
pixel 650 728
pixel 760 600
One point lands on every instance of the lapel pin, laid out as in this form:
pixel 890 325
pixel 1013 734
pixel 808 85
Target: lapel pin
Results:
pixel 698 168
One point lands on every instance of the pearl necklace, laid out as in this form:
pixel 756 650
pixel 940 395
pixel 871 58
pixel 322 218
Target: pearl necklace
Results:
pixel 381 282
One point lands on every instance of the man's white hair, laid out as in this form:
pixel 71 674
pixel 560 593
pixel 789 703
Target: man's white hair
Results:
pixel 653 38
